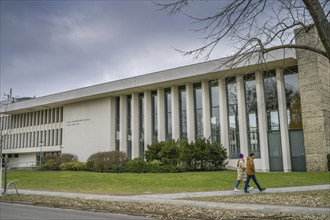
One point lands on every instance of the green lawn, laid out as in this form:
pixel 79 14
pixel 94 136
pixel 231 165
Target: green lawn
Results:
pixel 131 183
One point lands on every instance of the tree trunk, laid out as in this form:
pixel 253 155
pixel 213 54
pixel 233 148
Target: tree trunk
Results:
pixel 321 23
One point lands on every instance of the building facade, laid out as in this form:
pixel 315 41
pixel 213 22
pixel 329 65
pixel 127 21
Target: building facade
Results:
pixel 278 109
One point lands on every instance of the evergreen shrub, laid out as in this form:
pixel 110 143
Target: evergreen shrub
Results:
pixel 139 165
pixel 200 155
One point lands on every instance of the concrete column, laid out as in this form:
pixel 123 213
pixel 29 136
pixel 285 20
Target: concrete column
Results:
pixel 112 122
pixel 190 112
pixel 314 79
pixel 242 114
pixel 135 125
pixel 161 114
pixel 223 113
pixel 206 109
pixel 123 123
pixel 147 119
pixel 175 113
pixel 262 121
pixel 283 120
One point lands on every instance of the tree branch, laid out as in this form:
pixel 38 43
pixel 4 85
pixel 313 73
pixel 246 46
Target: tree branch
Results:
pixel 295 46
pixel 322 24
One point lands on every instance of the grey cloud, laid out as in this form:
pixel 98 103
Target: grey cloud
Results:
pixel 53 46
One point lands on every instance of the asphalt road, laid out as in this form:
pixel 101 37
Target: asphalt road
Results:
pixel 14 211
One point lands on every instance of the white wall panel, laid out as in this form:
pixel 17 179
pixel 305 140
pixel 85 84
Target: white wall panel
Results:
pixel 86 128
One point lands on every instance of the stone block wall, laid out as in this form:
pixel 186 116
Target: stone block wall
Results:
pixel 314 77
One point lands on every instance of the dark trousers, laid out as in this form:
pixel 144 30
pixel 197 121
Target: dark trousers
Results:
pixel 253 177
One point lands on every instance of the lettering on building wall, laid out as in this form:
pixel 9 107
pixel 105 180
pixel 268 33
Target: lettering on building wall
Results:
pixel 77 122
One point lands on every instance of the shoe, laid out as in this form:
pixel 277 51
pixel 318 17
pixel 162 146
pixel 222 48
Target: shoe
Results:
pixel 236 190
pixel 250 188
pixel 262 189
pixel 246 191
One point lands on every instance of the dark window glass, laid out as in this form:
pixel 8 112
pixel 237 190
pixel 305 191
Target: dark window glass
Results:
pixel 293 103
pixel 117 119
pixel 252 114
pixel 183 112
pixel 46 116
pixel 273 121
pixel 233 130
pixel 198 110
pixel 168 114
pixel 215 111
pixel 57 114
pixel 53 115
pixel 141 124
pixel 61 136
pixel 129 127
pixel 154 110
pixel 61 114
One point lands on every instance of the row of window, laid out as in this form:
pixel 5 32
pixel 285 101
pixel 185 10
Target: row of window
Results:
pixel 44 138
pixel 48 116
pixel 291 85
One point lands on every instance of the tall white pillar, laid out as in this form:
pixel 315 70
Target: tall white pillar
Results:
pixel 161 114
pixel 147 119
pixel 175 113
pixel 242 114
pixel 223 113
pixel 123 123
pixel 283 120
pixel 262 122
pixel 112 134
pixel 135 125
pixel 190 112
pixel 206 109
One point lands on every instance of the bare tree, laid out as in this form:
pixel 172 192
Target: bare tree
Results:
pixel 258 26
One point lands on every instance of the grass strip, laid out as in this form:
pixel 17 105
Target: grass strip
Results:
pixel 147 183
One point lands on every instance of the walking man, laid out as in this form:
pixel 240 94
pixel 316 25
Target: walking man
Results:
pixel 250 172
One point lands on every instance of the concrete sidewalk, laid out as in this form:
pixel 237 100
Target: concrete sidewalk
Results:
pixel 178 199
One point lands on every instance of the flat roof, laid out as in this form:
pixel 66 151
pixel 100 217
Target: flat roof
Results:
pixel 214 69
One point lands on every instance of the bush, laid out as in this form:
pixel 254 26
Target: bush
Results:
pixel 199 155
pixel 163 157
pixel 50 162
pixel 53 162
pixel 137 165
pixel 204 155
pixel 105 161
pixel 74 166
pixel 154 151
pixel 68 158
pixel 167 152
pixel 165 169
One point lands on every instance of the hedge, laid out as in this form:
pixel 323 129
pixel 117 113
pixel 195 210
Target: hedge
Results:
pixel 195 156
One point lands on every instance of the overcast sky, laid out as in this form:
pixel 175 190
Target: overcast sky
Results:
pixel 54 46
